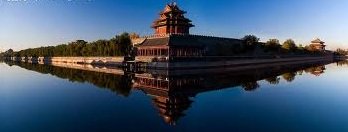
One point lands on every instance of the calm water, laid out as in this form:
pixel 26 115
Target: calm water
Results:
pixel 41 98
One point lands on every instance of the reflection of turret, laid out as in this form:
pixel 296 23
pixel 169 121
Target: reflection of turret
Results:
pixel 172 108
pixel 317 71
pixel 168 98
pixel 171 94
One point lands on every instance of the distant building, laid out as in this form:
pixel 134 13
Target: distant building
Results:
pixel 318 44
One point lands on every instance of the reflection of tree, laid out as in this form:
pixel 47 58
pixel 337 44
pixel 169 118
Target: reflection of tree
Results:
pixel 289 77
pixel 300 72
pixel 116 83
pixel 125 85
pixel 250 86
pixel 342 63
pixel 273 80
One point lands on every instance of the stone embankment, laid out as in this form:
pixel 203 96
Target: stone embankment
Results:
pixel 105 61
pixel 165 65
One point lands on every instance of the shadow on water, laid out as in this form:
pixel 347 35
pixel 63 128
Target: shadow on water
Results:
pixel 116 83
pixel 172 92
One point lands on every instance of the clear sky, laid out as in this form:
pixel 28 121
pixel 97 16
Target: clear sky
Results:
pixel 35 23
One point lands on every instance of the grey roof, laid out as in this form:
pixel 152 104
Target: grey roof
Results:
pixel 317 41
pixel 188 41
pixel 156 41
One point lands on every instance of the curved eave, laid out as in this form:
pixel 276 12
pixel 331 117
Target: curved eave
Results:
pixel 168 19
pixel 173 24
pixel 173 11
pixel 318 42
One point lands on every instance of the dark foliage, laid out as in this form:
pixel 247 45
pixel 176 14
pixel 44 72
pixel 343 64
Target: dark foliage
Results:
pixel 117 46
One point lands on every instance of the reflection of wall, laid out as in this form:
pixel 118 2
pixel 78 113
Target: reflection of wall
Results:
pixel 173 91
pixel 172 94
pixel 159 84
pixel 203 81
pixel 192 63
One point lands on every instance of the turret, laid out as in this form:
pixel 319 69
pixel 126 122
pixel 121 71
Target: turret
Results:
pixel 172 21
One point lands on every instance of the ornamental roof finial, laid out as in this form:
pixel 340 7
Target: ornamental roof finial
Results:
pixel 172 2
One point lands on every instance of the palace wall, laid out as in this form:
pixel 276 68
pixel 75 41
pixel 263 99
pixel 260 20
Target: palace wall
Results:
pixel 233 63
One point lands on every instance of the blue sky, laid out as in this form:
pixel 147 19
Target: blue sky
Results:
pixel 34 23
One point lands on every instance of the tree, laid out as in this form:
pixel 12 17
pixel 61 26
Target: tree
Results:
pixel 289 45
pixel 125 43
pixel 2 55
pixel 340 51
pixel 289 77
pixel 250 86
pixel 273 80
pixel 250 40
pixel 118 46
pixel 134 36
pixel 9 53
pixel 273 44
pixel 311 48
pixel 300 47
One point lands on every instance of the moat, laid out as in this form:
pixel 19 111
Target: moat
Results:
pixel 289 97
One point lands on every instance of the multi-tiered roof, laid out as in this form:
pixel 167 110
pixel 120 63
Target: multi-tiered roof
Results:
pixel 318 44
pixel 172 21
